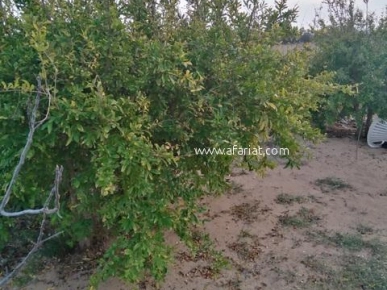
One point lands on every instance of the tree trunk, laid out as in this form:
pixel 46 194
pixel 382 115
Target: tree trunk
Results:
pixel 370 114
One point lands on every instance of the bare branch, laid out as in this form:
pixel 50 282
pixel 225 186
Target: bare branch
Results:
pixel 54 193
pixel 39 242
pixel 45 210
pixel 33 125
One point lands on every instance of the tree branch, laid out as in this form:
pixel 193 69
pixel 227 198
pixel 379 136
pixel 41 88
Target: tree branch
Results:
pixel 54 193
pixel 33 125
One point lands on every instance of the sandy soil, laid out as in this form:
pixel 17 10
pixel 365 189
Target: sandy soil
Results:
pixel 254 225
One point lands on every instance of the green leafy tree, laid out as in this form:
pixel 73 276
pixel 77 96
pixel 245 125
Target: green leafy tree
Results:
pixel 283 17
pixel 354 46
pixel 138 86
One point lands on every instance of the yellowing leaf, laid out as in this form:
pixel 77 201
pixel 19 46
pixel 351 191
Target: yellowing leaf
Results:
pixel 187 63
pixel 271 105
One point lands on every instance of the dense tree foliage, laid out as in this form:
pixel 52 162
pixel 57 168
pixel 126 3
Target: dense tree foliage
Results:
pixel 138 85
pixel 355 47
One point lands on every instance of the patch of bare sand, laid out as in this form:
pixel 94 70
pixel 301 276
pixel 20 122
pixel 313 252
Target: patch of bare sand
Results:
pixel 246 226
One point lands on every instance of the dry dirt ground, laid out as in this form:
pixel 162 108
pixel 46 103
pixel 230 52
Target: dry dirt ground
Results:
pixel 321 227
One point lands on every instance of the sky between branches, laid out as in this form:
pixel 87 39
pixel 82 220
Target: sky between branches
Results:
pixel 307 8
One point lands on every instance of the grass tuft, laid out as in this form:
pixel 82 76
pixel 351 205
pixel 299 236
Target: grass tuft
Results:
pixel 247 212
pixel 330 184
pixel 286 198
pixel 351 271
pixel 364 230
pixel 303 218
